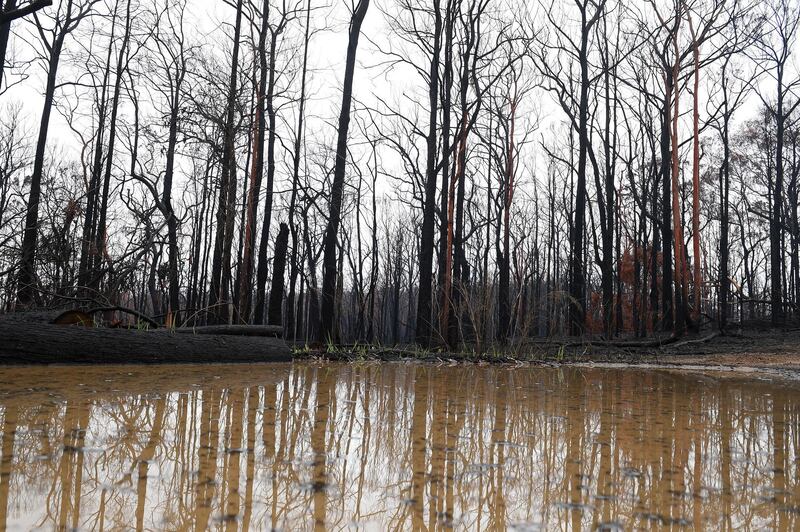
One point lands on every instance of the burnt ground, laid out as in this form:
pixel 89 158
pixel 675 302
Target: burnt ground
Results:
pixel 754 346
pixel 767 349
pixel 777 350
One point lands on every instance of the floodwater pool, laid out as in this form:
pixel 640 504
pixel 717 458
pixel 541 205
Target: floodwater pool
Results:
pixel 396 446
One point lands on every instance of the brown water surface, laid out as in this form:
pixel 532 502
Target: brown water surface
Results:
pixel 395 446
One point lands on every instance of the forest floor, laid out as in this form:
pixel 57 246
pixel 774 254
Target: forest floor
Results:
pixel 754 347
pixel 763 350
pixel 774 350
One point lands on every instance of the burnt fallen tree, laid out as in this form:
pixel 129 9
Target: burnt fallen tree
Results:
pixel 273 331
pixel 37 342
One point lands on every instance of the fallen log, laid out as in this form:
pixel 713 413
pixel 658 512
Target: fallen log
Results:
pixel 42 343
pixel 274 331
pixel 692 341
pixel 116 308
pixel 621 344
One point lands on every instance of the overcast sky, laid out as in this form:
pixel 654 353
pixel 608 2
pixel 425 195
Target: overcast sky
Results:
pixel 326 58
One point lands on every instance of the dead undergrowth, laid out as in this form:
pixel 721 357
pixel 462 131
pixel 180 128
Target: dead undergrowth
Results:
pixel 757 348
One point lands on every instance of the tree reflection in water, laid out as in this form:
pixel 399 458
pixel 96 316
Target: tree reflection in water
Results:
pixel 395 446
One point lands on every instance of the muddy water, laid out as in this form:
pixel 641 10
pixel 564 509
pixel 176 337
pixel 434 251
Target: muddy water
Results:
pixel 395 446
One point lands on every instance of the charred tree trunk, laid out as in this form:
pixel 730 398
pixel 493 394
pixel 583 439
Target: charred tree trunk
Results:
pixel 327 330
pixel 93 192
pixel 449 26
pixel 263 266
pixel 256 172
pixel 26 284
pixel 776 220
pixel 223 241
pixel 274 315
pixel 680 253
pixel 100 234
pixel 577 283
pixel 504 266
pixel 725 184
pixel 166 200
pixel 425 294
pixel 667 321
pixel 295 262
pixel 696 179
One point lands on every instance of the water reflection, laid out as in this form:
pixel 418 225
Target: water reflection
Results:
pixel 395 446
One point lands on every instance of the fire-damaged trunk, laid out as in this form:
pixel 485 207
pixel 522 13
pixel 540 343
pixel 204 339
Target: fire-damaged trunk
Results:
pixel 329 273
pixel 274 314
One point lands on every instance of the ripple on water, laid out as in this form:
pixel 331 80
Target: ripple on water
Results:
pixel 393 446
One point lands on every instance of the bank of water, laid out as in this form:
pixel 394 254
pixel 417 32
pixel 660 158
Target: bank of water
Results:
pixel 382 446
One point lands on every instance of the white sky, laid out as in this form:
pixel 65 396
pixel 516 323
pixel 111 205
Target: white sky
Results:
pixel 326 56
